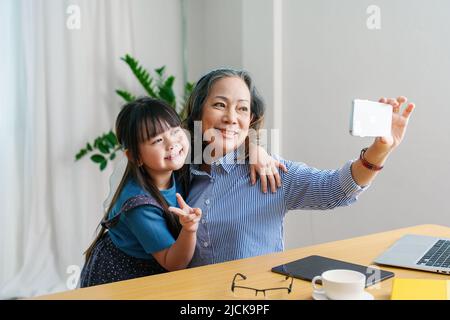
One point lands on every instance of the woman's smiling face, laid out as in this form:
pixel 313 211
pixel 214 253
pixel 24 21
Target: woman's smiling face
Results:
pixel 226 115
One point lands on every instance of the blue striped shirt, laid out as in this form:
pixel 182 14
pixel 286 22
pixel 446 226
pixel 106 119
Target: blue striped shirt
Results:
pixel 241 221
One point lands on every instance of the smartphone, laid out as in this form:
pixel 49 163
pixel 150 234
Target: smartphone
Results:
pixel 370 119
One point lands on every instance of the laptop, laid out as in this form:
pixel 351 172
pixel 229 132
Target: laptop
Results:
pixel 418 252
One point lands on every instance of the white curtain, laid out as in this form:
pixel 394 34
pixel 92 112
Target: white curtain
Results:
pixel 56 93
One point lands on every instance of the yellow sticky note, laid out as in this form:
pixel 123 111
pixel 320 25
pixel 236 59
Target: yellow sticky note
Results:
pixel 420 289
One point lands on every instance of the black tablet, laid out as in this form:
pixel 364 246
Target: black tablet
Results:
pixel 309 267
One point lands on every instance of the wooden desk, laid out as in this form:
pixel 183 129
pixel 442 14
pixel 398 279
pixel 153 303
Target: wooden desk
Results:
pixel 214 281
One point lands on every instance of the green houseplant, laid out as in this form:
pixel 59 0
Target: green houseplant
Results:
pixel 159 86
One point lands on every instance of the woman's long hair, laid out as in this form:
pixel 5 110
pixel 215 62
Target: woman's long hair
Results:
pixel 137 122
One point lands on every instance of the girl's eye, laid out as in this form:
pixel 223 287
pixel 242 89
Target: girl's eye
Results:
pixel 243 109
pixel 157 141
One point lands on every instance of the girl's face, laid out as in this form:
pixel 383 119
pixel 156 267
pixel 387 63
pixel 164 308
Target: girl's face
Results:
pixel 165 152
pixel 226 114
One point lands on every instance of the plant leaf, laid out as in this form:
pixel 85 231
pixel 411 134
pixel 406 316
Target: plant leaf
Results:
pixel 98 158
pixel 166 91
pixel 107 142
pixel 160 71
pixel 141 74
pixel 188 87
pixel 103 165
pixel 128 97
pixel 111 136
pixel 103 147
pixel 80 154
pixel 97 141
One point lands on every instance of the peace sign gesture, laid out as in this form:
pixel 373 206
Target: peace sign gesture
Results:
pixel 189 217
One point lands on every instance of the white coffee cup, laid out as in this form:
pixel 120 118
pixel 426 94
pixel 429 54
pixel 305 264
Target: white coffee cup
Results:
pixel 340 284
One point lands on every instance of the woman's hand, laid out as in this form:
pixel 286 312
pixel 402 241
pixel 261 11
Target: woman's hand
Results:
pixel 189 217
pixel 399 124
pixel 267 168
pixel 379 151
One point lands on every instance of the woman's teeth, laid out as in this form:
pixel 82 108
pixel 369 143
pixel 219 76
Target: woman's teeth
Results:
pixel 227 133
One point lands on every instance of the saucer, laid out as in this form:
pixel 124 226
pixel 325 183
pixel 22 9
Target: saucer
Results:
pixel 321 296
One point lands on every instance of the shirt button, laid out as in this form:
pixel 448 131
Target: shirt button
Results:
pixel 207 201
pixel 205 244
pixel 203 221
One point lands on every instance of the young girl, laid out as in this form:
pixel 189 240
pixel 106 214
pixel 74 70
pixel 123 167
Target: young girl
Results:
pixel 143 232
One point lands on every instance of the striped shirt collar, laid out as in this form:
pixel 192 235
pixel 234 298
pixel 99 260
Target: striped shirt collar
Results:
pixel 227 162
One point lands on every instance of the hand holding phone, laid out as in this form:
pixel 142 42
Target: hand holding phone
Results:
pixel 370 119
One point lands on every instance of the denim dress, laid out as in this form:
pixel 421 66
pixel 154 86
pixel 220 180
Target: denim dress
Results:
pixel 108 263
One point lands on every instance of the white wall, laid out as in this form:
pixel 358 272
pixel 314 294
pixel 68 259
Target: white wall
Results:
pixel 157 36
pixel 328 58
pixel 214 35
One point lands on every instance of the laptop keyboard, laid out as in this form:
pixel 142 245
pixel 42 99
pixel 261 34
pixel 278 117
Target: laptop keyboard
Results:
pixel 438 255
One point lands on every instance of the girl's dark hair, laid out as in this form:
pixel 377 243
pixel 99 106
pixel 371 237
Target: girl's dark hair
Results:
pixel 137 122
pixel 201 91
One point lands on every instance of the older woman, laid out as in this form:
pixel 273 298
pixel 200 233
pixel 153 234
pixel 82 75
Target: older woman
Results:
pixel 239 220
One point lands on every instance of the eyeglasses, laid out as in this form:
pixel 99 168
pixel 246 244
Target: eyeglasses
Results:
pixel 233 285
